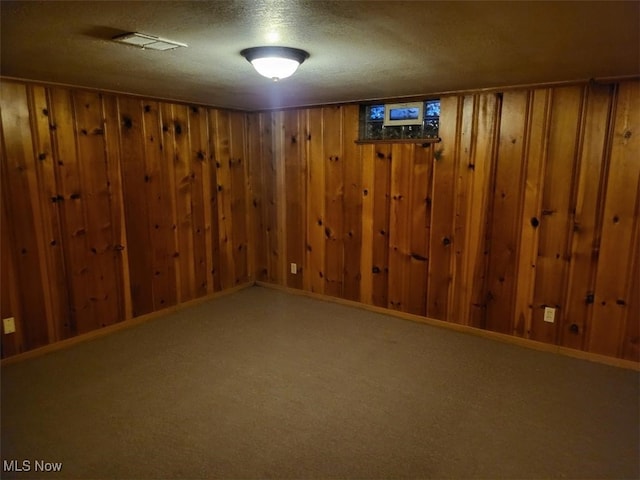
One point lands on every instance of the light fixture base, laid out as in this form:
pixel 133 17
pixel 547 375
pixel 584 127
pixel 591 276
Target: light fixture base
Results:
pixel 275 62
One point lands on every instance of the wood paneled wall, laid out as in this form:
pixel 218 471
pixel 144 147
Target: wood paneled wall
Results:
pixel 531 199
pixel 113 207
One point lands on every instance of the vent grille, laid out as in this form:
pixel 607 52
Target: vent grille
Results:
pixel 145 41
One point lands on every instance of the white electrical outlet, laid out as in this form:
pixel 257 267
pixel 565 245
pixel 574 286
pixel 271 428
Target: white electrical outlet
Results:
pixel 549 314
pixel 9 324
pixel 294 268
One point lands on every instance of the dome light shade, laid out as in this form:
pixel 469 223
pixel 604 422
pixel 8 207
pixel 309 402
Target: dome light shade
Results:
pixel 275 63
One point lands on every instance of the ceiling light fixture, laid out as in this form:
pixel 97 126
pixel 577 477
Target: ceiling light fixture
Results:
pixel 275 63
pixel 145 41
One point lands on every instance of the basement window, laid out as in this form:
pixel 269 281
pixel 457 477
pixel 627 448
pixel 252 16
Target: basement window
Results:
pixel 376 122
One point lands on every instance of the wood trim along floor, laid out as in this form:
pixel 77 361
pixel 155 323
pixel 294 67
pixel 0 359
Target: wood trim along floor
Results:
pixel 69 342
pixel 501 337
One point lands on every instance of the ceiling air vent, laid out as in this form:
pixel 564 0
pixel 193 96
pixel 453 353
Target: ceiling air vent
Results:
pixel 144 41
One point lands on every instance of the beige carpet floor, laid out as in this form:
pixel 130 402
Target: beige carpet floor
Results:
pixel 264 384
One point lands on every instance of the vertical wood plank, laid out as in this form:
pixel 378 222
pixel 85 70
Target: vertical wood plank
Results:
pixel 51 228
pixel 631 341
pixel 118 219
pixel 368 155
pixel 316 202
pixel 223 175
pixel 161 222
pixel 353 199
pixel 258 139
pixel 417 269
pixel 607 328
pixel 399 223
pixel 74 198
pixel 294 196
pixel 505 221
pixel 381 214
pixel 442 216
pixel 200 194
pixel 21 199
pixel 538 138
pixel 271 200
pixel 176 125
pixel 279 258
pixel 470 272
pixel 101 258
pixel 465 148
pixel 587 218
pixel 210 187
pixel 557 205
pixel 238 193
pixel 134 185
pixel 12 343
pixel 334 200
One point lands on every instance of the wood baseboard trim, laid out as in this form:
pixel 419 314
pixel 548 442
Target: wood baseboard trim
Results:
pixel 501 337
pixel 116 327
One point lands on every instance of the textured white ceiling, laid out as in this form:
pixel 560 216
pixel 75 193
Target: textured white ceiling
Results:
pixel 359 50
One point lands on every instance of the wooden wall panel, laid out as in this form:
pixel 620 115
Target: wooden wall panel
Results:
pixel 504 216
pixel 115 206
pixel 417 268
pixel 631 342
pixel 538 134
pixel 47 170
pixel 587 219
pixel 240 242
pixel 91 191
pixel 134 188
pixel 620 215
pixel 269 177
pixel 199 162
pixel 504 228
pixel 225 197
pixel 118 219
pixel 315 257
pixel 257 150
pixel 12 343
pixel 477 161
pixel 381 214
pixel 442 211
pixel 334 200
pixel 557 207
pixel 367 155
pixel 21 206
pixel 399 223
pixel 111 209
pixel 295 174
pixel 161 209
pixel 353 198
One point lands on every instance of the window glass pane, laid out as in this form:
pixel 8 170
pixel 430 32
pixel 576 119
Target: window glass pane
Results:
pixel 432 108
pixel 376 113
pixel 372 123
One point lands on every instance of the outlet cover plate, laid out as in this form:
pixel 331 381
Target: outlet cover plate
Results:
pixel 9 324
pixel 549 314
